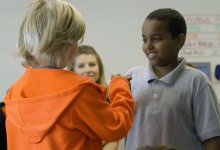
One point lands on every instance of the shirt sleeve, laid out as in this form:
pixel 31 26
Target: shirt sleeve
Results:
pixel 93 116
pixel 206 111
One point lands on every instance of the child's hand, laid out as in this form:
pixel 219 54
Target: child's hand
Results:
pixel 115 75
pixel 128 77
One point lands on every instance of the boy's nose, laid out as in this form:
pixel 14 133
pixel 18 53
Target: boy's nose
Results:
pixel 147 46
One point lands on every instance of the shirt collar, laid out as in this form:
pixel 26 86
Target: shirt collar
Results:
pixel 171 76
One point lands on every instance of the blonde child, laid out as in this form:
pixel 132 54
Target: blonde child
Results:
pixel 49 108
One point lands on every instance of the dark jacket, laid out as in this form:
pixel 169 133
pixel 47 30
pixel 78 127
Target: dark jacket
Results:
pixel 3 141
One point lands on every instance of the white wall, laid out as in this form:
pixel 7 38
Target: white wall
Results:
pixel 113 28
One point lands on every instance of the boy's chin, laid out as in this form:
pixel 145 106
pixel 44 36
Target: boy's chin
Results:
pixel 153 63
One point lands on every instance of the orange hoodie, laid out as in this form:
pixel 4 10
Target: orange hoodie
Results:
pixel 54 109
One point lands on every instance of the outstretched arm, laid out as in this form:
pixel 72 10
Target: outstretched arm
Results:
pixel 98 119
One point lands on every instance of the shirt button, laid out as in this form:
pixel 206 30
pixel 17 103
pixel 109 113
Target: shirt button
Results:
pixel 154 95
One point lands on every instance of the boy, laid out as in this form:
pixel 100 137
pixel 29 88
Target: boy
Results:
pixel 174 103
pixel 49 108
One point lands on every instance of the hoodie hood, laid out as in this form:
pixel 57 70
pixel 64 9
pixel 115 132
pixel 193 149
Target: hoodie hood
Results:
pixel 35 116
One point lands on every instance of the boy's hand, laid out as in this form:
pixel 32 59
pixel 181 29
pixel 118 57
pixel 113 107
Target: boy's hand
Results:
pixel 128 77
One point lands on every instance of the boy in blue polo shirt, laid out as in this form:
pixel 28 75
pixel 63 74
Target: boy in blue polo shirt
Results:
pixel 174 104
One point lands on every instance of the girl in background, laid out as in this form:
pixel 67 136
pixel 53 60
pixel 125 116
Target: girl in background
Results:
pixel 87 62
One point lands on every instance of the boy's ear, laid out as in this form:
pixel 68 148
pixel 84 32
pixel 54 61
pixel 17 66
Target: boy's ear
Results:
pixel 181 40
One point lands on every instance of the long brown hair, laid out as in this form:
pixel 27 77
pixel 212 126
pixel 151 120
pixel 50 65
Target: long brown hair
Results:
pixel 86 49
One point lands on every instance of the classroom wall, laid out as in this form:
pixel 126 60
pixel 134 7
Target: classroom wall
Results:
pixel 113 28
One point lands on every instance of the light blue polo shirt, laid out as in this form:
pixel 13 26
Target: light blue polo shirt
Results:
pixel 180 108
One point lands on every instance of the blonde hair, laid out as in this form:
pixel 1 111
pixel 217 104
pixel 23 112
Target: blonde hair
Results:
pixel 49 32
pixel 86 49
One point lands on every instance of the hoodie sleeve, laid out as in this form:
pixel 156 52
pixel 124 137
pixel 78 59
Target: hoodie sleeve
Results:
pixel 93 116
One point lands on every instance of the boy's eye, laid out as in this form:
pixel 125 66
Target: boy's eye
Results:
pixel 144 40
pixel 156 38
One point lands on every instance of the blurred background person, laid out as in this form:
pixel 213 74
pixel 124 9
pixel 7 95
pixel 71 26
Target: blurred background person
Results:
pixel 87 62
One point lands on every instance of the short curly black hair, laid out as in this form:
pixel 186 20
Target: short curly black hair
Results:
pixel 175 20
